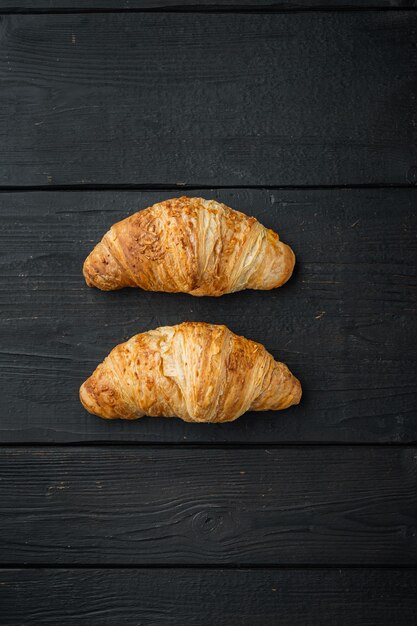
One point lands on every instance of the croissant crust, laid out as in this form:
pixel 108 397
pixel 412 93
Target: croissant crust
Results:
pixel 198 372
pixel 189 245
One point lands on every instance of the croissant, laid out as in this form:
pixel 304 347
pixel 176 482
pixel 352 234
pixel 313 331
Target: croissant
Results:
pixel 189 245
pixel 198 372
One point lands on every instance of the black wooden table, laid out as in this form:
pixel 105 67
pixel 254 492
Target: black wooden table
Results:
pixel 304 114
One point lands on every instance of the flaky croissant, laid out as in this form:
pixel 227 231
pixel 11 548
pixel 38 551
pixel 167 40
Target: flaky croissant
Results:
pixel 189 245
pixel 198 372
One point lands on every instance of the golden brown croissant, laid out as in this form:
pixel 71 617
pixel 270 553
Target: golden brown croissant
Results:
pixel 190 245
pixel 198 372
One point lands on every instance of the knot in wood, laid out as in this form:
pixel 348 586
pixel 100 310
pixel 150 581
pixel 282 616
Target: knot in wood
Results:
pixel 211 524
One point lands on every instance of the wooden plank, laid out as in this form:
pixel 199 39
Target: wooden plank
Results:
pixel 141 506
pixel 263 99
pixel 198 5
pixel 345 323
pixel 174 597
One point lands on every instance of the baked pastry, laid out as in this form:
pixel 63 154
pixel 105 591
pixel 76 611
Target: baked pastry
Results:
pixel 189 245
pixel 198 372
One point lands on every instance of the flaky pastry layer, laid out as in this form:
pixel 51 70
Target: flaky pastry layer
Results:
pixel 189 245
pixel 198 372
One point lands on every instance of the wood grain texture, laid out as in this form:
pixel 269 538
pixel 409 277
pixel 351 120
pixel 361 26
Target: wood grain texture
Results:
pixel 198 5
pixel 217 99
pixel 345 323
pixel 141 506
pixel 214 597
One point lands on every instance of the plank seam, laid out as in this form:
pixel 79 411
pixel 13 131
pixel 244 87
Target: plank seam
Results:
pixel 202 445
pixel 193 186
pixel 201 566
pixel 213 9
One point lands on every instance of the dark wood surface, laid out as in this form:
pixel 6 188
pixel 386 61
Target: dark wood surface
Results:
pixel 198 5
pixel 278 506
pixel 303 114
pixel 345 323
pixel 216 99
pixel 176 597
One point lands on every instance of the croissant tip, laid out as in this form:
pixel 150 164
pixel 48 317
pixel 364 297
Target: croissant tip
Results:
pixel 98 280
pixel 289 264
pixel 298 392
pixel 87 277
pixel 85 397
pixel 294 395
